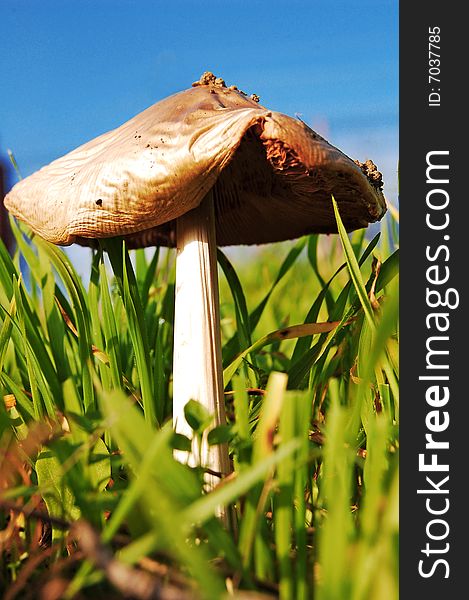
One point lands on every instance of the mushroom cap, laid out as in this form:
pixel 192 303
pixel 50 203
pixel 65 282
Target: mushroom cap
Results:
pixel 272 177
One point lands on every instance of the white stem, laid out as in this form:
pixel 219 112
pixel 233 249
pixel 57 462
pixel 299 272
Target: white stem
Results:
pixel 197 367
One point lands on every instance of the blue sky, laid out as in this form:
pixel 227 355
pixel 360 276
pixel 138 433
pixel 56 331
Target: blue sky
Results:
pixel 72 69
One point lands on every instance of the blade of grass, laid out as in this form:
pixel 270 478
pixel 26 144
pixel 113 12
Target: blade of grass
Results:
pixel 5 331
pixel 96 330
pixel 336 477
pixel 125 276
pixel 79 301
pixel 203 509
pixel 169 485
pixel 262 450
pixel 243 330
pixel 110 332
pixel 36 399
pixel 7 271
pixel 33 328
pixel 304 357
pixel 138 335
pixel 302 402
pixel 283 509
pixel 313 260
pixel 303 344
pixel 54 325
pixel 22 399
pixel 149 276
pixel 353 267
pixel 231 349
pixel 287 333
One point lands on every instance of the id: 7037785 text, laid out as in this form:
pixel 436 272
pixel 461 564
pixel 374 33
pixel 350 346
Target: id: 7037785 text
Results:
pixel 434 63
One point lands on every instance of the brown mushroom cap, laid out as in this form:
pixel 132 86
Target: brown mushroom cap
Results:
pixel 272 177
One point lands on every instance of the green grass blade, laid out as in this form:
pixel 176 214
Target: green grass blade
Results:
pixel 23 402
pixel 29 358
pixel 231 348
pixel 95 316
pixel 139 338
pixel 205 508
pixel 287 264
pixel 7 271
pixel 335 491
pixel 302 402
pixel 354 268
pixel 54 325
pixel 287 333
pixel 169 485
pixel 303 356
pixel 241 311
pixel 283 514
pixel 149 276
pixel 262 452
pixel 313 242
pixel 5 331
pixel 110 331
pixel 125 276
pixel 79 303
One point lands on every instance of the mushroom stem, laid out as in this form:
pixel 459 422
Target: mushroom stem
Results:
pixel 197 368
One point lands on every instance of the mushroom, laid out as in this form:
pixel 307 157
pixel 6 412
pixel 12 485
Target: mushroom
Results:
pixel 206 166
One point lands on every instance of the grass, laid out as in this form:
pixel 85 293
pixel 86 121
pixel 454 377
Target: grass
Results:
pixel 92 503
